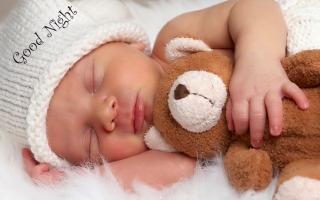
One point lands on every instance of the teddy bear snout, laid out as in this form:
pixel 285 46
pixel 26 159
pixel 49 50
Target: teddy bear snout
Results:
pixel 196 99
pixel 182 91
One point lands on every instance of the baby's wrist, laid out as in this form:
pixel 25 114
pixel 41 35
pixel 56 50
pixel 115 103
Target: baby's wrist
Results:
pixel 250 48
pixel 248 60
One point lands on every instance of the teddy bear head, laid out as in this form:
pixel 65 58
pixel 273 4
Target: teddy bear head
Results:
pixel 189 110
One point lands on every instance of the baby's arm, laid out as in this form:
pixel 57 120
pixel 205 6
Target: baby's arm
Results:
pixel 257 33
pixel 155 168
pixel 209 24
pixel 259 82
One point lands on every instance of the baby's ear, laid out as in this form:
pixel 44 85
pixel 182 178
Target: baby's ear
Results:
pixel 138 45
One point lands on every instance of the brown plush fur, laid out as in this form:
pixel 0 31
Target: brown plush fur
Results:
pixel 294 67
pixel 305 168
pixel 246 167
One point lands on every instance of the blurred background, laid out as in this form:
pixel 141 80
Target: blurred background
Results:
pixel 5 6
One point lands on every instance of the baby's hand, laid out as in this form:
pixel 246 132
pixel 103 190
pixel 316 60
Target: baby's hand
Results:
pixel 256 91
pixel 41 173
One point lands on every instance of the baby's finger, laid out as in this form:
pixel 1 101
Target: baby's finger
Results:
pixel 41 168
pixel 229 115
pixel 27 154
pixel 292 91
pixel 57 175
pixel 240 115
pixel 273 103
pixel 257 121
pixel 47 175
pixel 28 161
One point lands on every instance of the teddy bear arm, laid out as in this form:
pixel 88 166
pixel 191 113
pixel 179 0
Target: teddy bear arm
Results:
pixel 306 168
pixel 303 68
pixel 299 180
pixel 248 168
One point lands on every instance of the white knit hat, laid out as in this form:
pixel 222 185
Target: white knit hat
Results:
pixel 39 42
pixel 303 22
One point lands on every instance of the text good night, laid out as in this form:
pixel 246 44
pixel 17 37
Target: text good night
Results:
pixel 61 22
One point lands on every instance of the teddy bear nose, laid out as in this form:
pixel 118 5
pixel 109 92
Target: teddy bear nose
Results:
pixel 181 92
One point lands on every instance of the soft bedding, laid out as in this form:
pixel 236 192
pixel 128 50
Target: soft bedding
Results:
pixel 208 183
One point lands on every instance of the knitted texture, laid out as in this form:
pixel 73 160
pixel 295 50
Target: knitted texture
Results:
pixel 303 22
pixel 40 41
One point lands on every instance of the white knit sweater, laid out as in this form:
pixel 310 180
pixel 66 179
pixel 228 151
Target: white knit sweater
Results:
pixel 303 22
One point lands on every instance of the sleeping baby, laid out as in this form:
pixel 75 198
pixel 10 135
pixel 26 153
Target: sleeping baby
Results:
pixel 85 92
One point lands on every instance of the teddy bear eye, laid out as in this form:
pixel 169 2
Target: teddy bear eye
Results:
pixel 181 92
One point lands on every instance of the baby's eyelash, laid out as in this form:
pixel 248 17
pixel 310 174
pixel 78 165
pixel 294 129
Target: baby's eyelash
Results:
pixel 90 140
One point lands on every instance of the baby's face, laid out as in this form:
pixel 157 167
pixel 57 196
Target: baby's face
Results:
pixel 103 105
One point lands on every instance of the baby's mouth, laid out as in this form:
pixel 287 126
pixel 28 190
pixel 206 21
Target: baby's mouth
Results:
pixel 138 114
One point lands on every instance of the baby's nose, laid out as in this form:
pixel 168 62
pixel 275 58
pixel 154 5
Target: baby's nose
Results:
pixel 108 113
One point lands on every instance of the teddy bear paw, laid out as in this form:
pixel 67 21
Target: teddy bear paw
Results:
pixel 249 169
pixel 298 188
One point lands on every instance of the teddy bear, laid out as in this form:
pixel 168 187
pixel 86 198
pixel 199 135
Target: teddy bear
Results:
pixel 189 117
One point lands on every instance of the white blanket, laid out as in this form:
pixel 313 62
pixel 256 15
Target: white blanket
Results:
pixel 208 184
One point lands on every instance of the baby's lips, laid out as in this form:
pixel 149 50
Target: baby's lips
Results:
pixel 139 112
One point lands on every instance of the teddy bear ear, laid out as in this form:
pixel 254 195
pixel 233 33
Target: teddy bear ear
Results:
pixel 182 46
